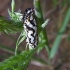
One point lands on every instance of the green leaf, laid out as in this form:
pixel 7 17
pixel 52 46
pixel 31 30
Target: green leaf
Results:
pixel 38 11
pixel 18 62
pixel 9 12
pixel 45 23
pixel 41 40
pixel 21 38
pixel 13 5
pixel 59 36
pixel 15 16
pixel 10 27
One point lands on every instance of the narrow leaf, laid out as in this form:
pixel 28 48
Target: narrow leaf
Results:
pixel 13 5
pixel 21 38
pixel 58 38
pixel 45 23
pixel 18 62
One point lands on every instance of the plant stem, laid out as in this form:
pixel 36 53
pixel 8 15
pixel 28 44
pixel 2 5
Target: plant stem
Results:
pixel 40 20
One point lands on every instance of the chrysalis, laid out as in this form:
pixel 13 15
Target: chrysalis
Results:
pixel 30 27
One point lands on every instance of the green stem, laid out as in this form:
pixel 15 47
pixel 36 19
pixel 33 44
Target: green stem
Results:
pixel 40 20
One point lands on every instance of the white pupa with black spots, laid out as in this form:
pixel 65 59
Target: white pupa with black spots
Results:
pixel 30 27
